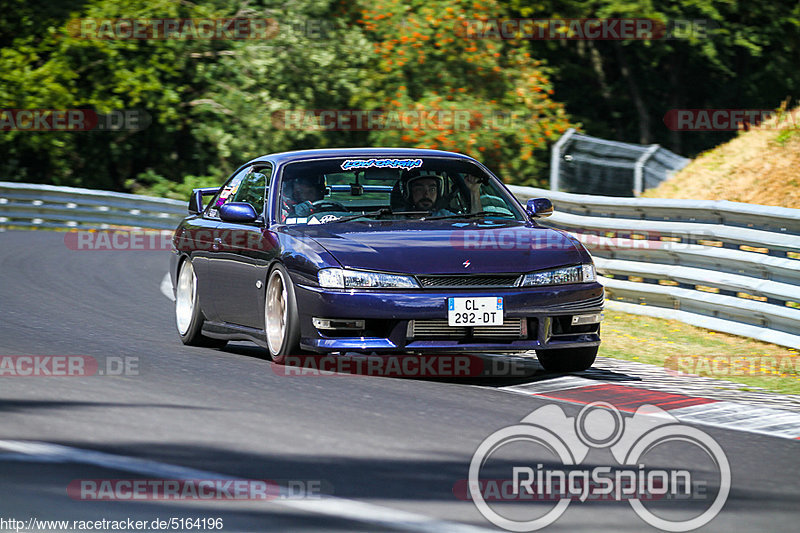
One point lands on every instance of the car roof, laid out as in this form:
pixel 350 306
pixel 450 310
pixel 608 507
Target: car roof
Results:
pixel 304 155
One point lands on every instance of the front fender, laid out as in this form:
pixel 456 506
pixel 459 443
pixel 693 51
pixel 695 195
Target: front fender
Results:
pixel 303 256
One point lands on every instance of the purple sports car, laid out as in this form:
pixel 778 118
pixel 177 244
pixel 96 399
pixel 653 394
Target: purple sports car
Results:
pixel 381 250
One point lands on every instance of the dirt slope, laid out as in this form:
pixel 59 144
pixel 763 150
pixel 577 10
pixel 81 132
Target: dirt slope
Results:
pixel 760 166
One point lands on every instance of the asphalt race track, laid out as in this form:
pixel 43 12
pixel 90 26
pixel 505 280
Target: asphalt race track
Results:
pixel 372 453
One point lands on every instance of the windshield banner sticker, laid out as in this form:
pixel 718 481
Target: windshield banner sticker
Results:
pixel 381 163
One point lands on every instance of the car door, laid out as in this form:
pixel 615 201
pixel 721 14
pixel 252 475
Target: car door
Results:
pixel 205 231
pixel 242 254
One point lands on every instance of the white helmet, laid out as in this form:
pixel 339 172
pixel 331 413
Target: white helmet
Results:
pixel 409 177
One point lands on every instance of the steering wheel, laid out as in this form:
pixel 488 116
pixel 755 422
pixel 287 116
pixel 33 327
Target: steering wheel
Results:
pixel 326 205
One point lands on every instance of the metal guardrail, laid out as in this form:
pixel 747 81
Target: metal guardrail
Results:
pixel 50 206
pixel 721 265
pixel 724 266
pixel 579 162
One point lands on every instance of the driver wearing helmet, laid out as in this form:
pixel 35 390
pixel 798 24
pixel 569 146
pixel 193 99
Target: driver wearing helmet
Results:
pixel 423 189
pixel 303 192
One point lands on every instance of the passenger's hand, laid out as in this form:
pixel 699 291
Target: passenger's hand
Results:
pixel 473 183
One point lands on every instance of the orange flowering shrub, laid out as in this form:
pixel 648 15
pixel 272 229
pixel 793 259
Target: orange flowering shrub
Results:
pixel 452 91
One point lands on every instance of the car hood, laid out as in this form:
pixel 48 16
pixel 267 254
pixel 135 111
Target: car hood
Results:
pixel 444 247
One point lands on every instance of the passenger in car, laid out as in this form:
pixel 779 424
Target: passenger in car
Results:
pixel 302 193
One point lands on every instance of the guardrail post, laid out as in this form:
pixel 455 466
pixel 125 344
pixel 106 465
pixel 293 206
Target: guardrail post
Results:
pixel 555 158
pixel 638 169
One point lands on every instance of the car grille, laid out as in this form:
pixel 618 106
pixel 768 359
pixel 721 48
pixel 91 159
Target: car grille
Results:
pixel 582 305
pixel 469 281
pixel 438 329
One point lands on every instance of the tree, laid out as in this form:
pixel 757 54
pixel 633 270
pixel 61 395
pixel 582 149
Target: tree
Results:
pixel 428 60
pixel 722 54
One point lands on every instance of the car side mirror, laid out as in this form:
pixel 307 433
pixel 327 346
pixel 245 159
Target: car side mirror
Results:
pixel 196 199
pixel 539 207
pixel 238 212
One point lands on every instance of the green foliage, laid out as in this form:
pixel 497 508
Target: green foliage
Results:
pixel 786 135
pixel 216 103
pixel 307 65
pixel 724 54
pixel 426 63
pixel 150 183
pixel 50 67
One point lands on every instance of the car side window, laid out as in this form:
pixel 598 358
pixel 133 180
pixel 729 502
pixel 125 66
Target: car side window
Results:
pixel 225 193
pixel 253 188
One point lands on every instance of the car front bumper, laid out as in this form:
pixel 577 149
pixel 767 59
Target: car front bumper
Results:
pixel 545 312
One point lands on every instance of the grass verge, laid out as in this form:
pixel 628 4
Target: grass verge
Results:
pixel 689 349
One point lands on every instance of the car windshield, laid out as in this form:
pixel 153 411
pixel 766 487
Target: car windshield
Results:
pixel 359 189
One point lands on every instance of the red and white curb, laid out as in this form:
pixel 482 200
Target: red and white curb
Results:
pixel 690 409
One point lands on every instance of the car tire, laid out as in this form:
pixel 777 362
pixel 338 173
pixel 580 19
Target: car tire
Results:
pixel 189 317
pixel 567 359
pixel 281 320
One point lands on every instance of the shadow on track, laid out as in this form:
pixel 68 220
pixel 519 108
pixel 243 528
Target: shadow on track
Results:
pixel 486 370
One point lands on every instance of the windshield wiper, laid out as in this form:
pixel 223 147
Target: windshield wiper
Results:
pixel 379 213
pixel 467 215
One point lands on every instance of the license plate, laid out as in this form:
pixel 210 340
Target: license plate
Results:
pixel 483 311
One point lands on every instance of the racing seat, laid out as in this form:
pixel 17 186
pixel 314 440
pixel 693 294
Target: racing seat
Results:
pixel 493 204
pixel 396 200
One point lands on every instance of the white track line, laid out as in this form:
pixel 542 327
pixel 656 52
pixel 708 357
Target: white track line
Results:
pixel 554 384
pixel 326 505
pixel 166 287
pixel 742 417
pixel 719 413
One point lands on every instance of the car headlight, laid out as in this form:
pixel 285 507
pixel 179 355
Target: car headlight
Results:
pixel 589 273
pixel 339 278
pixel 575 274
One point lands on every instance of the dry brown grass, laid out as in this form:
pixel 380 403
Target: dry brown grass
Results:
pixel 760 166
